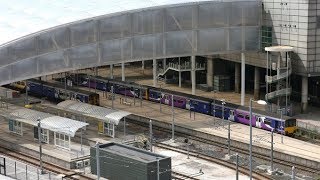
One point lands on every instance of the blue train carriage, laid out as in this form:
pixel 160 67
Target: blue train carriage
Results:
pixel 228 110
pixel 165 96
pixel 287 125
pixel 96 82
pixel 199 104
pixel 57 92
pixel 129 89
pixel 74 94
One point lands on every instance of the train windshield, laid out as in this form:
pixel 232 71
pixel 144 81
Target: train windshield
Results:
pixel 290 122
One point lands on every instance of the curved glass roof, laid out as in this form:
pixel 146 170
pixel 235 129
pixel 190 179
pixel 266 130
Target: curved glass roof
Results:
pixel 20 18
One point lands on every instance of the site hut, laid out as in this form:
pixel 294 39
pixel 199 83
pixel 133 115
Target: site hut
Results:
pixel 107 118
pixel 26 120
pixel 118 161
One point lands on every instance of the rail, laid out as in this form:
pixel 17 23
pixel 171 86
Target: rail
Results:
pixel 70 174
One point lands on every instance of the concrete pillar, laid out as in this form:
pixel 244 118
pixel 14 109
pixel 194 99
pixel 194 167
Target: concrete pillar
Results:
pixel 193 74
pixel 122 72
pixel 243 77
pixel 256 91
pixel 304 94
pixel 154 65
pixel 237 77
pixel 179 67
pixel 164 68
pixel 111 71
pixel 179 78
pixel 209 71
pixel 142 65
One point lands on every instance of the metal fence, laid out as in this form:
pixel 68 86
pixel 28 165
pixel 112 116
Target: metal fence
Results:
pixel 202 28
pixel 22 171
pixel 308 126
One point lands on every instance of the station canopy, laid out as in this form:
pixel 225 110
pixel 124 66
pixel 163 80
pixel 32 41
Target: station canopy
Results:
pixel 48 121
pixel 20 18
pixel 106 114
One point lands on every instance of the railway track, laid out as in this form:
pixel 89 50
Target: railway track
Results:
pixel 68 174
pixel 180 176
pixel 215 160
pixel 242 151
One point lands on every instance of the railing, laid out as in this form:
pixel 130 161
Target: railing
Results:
pixel 186 66
pixel 281 92
pixel 308 126
pixel 272 79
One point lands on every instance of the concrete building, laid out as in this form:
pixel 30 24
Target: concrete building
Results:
pixel 187 38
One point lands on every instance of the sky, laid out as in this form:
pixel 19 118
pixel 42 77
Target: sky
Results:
pixel 19 18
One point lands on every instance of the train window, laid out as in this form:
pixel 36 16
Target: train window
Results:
pixel 179 101
pixel 290 122
pixel 247 117
pixel 240 116
pixel 267 122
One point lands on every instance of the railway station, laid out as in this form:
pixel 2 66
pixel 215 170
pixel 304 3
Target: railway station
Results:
pixel 240 77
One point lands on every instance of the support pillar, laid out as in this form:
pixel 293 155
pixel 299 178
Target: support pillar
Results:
pixel 142 65
pixel 122 71
pixel 209 71
pixel 237 78
pixel 304 94
pixel 111 71
pixel 193 74
pixel 179 78
pixel 243 77
pixel 256 92
pixel 154 65
pixel 164 68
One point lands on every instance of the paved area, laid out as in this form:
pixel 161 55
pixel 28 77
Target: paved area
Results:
pixel 198 168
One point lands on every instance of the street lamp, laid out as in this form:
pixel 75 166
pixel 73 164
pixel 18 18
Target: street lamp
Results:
pixel 40 144
pixel 262 102
pixel 223 103
pixel 214 106
pixel 160 97
pixel 282 125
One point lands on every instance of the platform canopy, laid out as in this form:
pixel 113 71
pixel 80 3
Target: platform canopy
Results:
pixel 53 123
pixel 279 49
pixel 106 114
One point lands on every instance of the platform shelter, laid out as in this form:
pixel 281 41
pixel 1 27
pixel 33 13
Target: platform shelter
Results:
pixel 63 128
pixel 108 118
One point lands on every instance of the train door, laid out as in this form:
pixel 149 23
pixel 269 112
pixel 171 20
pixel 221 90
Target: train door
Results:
pixel 166 99
pixel 258 122
pixel 231 115
pixel 188 104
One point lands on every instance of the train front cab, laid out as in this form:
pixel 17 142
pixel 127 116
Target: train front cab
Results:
pixel 290 126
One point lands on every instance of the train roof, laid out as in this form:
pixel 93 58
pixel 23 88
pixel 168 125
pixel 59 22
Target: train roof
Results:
pixel 182 94
pixel 265 113
pixel 60 86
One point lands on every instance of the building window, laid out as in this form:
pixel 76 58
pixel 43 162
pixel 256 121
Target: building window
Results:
pixel 266 36
pixel 318 21
pixel 15 127
pixel 62 140
pixel 109 129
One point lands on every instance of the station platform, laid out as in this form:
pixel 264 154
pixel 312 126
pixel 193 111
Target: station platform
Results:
pixel 26 143
pixel 218 127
